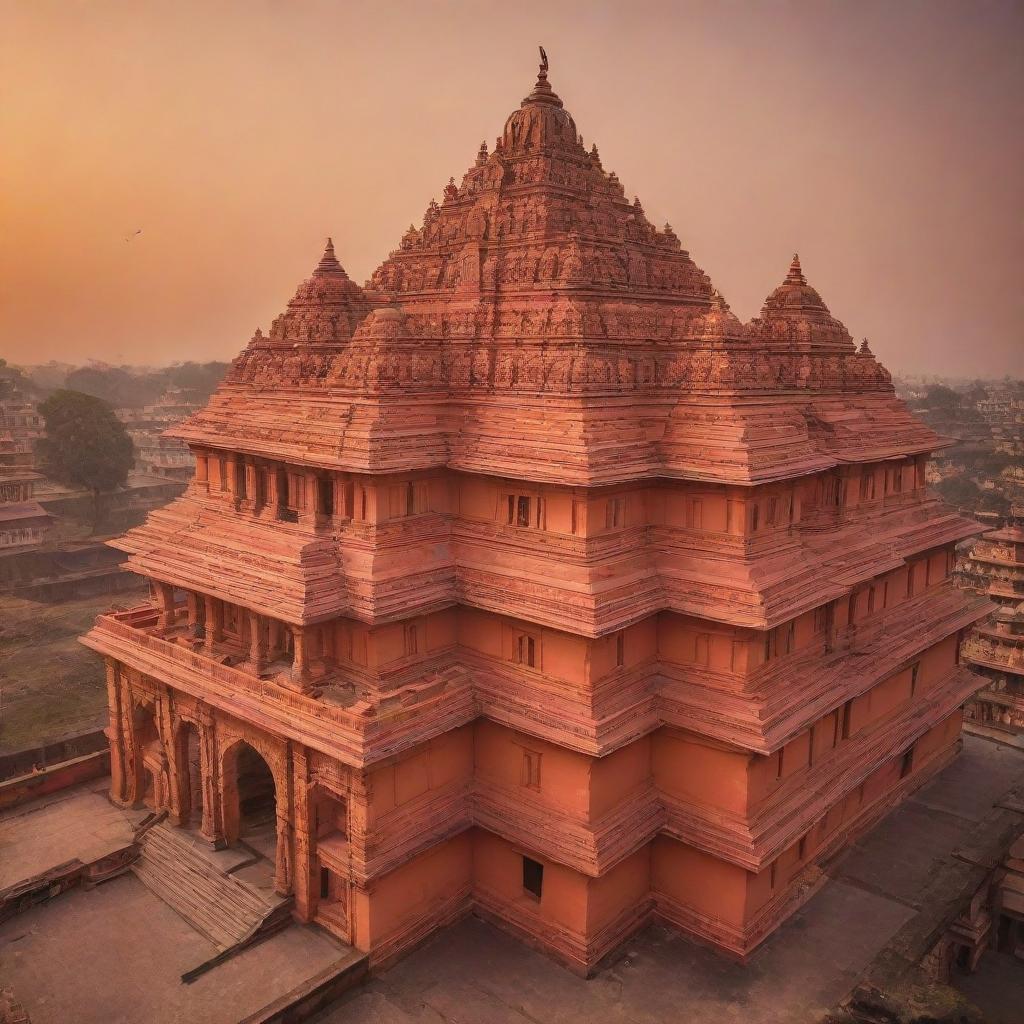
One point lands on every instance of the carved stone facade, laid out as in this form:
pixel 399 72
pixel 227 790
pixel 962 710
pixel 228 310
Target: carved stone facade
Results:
pixel 532 582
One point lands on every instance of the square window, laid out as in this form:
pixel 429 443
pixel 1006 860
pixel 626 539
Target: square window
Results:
pixel 531 769
pixel 533 876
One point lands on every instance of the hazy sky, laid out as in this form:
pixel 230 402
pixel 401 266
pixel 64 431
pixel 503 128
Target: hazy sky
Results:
pixel 881 140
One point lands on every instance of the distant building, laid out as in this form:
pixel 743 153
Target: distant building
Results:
pixel 157 454
pixel 994 566
pixel 24 523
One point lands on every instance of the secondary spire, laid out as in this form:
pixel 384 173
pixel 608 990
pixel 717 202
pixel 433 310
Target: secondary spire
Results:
pixel 329 262
pixel 795 275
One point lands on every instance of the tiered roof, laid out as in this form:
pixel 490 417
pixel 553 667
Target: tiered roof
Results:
pixel 534 292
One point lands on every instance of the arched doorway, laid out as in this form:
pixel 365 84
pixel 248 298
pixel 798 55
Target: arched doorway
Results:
pixel 250 800
pixel 190 776
pixel 150 761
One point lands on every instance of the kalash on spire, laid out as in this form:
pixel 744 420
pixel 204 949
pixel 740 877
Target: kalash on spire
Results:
pixel 530 581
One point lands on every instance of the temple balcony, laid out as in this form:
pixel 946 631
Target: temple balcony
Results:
pixel 331 714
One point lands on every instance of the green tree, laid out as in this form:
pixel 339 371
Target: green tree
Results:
pixel 85 445
pixel 941 397
pixel 959 490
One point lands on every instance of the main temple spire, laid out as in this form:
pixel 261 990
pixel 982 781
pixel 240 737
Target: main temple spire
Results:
pixel 542 91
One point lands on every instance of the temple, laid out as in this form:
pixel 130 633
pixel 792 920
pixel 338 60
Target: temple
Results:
pixel 528 581
pixel 24 524
pixel 994 566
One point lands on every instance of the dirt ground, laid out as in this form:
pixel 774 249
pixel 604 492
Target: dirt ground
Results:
pixel 50 685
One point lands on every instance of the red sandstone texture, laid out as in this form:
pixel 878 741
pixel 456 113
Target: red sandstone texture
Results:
pixel 544 586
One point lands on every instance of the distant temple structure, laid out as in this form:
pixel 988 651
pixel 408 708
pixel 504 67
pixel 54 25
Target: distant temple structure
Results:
pixel 24 523
pixel 528 581
pixel 157 454
pixel 994 566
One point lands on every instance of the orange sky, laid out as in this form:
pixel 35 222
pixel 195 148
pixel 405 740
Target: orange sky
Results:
pixel 881 140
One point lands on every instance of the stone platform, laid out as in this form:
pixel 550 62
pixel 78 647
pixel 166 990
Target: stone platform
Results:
pixel 116 953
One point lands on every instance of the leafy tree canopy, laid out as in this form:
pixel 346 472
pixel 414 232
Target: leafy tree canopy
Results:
pixel 85 445
pixel 941 397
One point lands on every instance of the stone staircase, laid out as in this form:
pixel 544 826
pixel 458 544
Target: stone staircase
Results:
pixel 229 912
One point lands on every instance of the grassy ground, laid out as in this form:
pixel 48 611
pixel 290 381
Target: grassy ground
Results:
pixel 50 685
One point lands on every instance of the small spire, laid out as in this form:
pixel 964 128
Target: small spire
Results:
pixel 795 275
pixel 718 302
pixel 864 349
pixel 329 262
pixel 595 157
pixel 542 91
pixel 481 156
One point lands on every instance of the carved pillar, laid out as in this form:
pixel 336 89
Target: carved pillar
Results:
pixel 214 615
pixel 165 730
pixel 195 615
pixel 115 732
pixel 132 791
pixel 257 644
pixel 283 804
pixel 302 788
pixel 300 660
pixel 212 827
pixel 165 598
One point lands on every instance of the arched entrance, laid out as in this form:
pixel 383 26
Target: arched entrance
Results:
pixel 150 760
pixel 190 776
pixel 250 800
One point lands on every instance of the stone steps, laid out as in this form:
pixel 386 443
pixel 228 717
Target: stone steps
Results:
pixel 220 907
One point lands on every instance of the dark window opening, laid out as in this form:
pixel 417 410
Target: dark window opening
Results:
pixel 847 715
pixel 325 883
pixel 325 496
pixel 526 650
pixel 533 876
pixel 907 764
pixel 620 650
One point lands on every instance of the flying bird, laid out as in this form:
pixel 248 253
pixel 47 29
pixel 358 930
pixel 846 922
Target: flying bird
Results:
pixel 128 238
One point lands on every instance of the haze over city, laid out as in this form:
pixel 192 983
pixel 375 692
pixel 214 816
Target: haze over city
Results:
pixel 171 172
